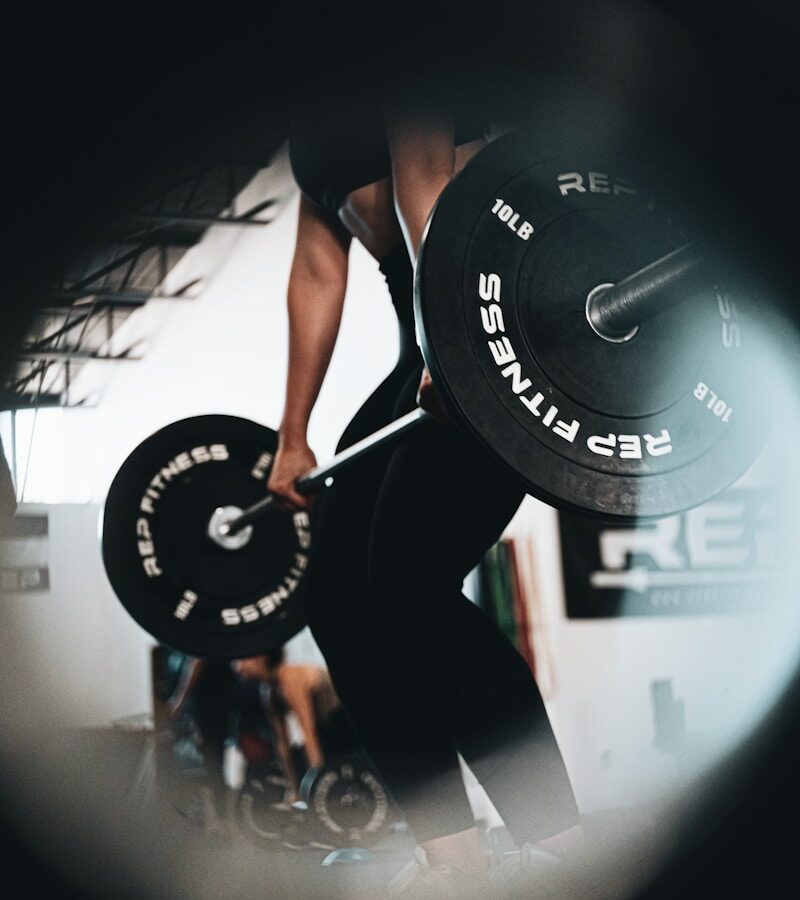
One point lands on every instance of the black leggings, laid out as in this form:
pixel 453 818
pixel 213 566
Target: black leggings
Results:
pixel 421 671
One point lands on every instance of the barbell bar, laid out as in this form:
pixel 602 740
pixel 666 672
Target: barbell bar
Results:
pixel 222 526
pixel 614 313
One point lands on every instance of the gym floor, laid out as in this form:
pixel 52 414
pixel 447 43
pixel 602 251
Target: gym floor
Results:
pixel 110 827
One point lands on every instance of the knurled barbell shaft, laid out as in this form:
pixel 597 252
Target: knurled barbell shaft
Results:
pixel 621 307
pixel 311 481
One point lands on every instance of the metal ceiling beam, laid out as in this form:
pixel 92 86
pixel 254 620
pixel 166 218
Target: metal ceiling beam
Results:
pixel 19 385
pixel 70 325
pixel 69 355
pixel 111 298
pixel 195 221
pixel 144 236
pixel 259 207
pixel 151 241
pixel 21 401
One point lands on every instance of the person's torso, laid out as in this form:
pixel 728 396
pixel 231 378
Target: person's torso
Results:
pixel 339 146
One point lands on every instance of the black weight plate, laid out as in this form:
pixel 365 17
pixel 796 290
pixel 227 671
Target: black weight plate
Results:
pixel 180 586
pixel 348 804
pixel 620 430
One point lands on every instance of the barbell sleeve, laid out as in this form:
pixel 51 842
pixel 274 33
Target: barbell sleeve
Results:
pixel 316 478
pixel 617 309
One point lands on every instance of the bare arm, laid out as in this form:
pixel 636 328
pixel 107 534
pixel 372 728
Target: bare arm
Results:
pixel 315 298
pixel 300 699
pixel 283 750
pixel 423 162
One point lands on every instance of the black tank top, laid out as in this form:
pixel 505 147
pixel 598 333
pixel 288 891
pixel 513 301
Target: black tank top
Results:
pixel 341 145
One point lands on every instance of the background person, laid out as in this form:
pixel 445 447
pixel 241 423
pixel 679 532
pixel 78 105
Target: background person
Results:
pixel 306 691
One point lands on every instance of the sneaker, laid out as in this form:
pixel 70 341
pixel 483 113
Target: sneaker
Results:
pixel 420 881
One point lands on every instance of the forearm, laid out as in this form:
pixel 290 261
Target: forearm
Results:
pixel 301 701
pixel 315 311
pixel 283 751
pixel 315 297
pixel 313 750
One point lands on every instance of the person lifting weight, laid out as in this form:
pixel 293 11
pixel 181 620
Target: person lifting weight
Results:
pixel 421 671
pixel 306 691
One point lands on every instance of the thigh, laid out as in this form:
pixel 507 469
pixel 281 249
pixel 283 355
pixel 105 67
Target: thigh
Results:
pixel 442 505
pixel 443 502
pixel 342 517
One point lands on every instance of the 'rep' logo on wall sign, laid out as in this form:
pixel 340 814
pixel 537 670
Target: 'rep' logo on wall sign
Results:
pixel 717 557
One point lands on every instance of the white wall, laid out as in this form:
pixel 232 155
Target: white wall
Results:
pixel 74 643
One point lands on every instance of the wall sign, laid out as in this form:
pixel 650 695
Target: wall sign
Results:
pixel 711 559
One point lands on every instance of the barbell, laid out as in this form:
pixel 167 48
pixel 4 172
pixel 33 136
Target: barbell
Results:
pixel 614 312
pixel 575 325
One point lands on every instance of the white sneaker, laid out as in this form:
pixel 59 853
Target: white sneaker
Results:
pixel 418 880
